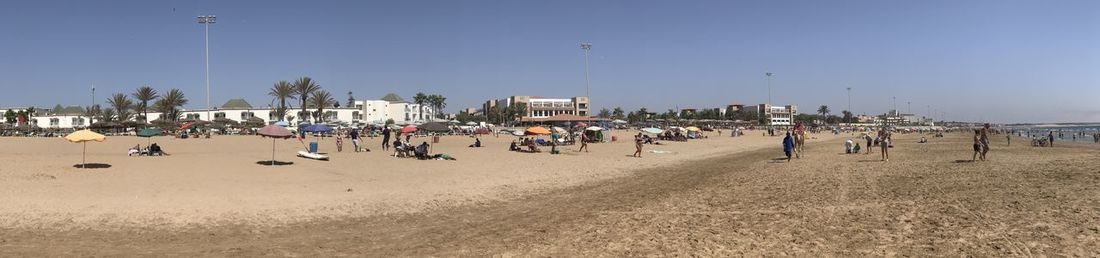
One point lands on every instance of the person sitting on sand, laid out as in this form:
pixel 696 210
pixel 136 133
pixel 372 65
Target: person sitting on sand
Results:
pixel 421 151
pixel 788 146
pixel 136 150
pixel 477 143
pixel 532 146
pixel 848 146
pixel 855 150
pixel 514 147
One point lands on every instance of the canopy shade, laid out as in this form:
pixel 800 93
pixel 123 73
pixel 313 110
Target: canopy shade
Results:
pixel 692 129
pixel 434 127
pixel 537 130
pixel 149 132
pixel 85 136
pixel 409 129
pixel 316 128
pixel 653 130
pixel 275 131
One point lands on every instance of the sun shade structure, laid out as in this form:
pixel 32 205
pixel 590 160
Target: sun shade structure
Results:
pixel 149 133
pixel 653 130
pixel 187 125
pixel 434 127
pixel 85 136
pixel 692 129
pixel 537 130
pixel 275 132
pixel 409 129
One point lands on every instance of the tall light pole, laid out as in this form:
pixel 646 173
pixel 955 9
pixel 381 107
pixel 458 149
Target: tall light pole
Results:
pixel 849 99
pixel 587 85
pixel 909 107
pixel 769 77
pixel 90 118
pixel 895 105
pixel 207 20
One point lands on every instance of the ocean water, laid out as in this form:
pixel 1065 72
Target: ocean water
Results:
pixel 1069 132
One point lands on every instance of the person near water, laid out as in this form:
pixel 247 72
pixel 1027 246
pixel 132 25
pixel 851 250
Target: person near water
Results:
pixel 788 146
pixel 638 145
pixel 386 138
pixel 977 146
pixel 884 143
pixel 1050 137
pixel 584 142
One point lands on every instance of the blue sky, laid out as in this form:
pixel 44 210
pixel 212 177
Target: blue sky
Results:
pixel 1000 61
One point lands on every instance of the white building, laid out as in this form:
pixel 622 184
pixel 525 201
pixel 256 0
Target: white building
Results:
pixel 777 115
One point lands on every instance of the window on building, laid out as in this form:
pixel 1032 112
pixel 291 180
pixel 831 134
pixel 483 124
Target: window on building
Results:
pixel 55 121
pixel 77 121
pixel 582 105
pixel 355 116
pixel 219 115
pixel 246 115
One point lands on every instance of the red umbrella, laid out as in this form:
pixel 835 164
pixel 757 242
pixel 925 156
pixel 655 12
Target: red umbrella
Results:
pixel 275 132
pixel 409 129
pixel 186 125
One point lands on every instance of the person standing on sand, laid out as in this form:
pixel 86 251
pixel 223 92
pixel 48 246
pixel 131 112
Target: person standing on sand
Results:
pixel 386 138
pixel 977 146
pixel 1050 137
pixel 1008 139
pixel 985 140
pixel 869 141
pixel 354 134
pixel 339 141
pixel 638 145
pixel 788 146
pixel 584 142
pixel 884 143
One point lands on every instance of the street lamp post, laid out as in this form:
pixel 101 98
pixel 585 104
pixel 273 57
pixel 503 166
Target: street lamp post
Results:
pixel 587 85
pixel 849 99
pixel 769 76
pixel 207 20
pixel 895 105
pixel 90 118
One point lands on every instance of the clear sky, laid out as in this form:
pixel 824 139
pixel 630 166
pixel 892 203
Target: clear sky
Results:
pixel 994 60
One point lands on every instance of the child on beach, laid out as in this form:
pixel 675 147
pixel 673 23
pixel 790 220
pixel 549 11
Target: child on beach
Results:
pixel 788 146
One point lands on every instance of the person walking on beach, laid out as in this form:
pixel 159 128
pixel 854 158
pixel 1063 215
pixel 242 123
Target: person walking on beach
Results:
pixel 977 146
pixel 584 142
pixel 354 134
pixel 638 145
pixel 1008 139
pixel 1050 137
pixel 884 143
pixel 386 138
pixel 788 146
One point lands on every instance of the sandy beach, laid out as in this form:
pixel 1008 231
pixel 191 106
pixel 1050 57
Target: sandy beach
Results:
pixel 218 181
pixel 713 197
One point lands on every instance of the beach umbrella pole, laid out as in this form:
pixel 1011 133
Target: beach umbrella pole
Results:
pixel 272 151
pixel 84 156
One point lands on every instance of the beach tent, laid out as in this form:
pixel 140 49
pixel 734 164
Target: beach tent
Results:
pixel 652 130
pixel 85 136
pixel 537 130
pixel 409 129
pixel 435 127
pixel 275 132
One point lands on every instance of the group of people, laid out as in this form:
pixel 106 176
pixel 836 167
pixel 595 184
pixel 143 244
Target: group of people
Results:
pixel 152 150
pixel 883 139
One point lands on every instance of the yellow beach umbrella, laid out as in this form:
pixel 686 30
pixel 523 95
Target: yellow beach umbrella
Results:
pixel 692 129
pixel 537 130
pixel 84 136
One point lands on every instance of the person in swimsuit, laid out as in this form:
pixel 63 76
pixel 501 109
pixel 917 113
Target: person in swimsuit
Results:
pixel 884 143
pixel 977 146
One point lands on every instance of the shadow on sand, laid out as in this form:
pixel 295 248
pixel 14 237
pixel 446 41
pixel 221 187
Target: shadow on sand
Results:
pixel 964 161
pixel 92 165
pixel 275 163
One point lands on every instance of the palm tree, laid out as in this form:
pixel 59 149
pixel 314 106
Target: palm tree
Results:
pixel 437 102
pixel 282 90
pixel 92 113
pixel 823 110
pixel 304 87
pixel 617 113
pixel 122 104
pixel 144 94
pixel 420 99
pixel 169 103
pixel 321 99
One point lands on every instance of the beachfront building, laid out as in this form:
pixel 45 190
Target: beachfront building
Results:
pixel 776 115
pixel 393 107
pixel 540 107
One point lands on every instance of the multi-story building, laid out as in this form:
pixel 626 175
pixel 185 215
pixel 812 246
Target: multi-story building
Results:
pixel 540 107
pixel 776 115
